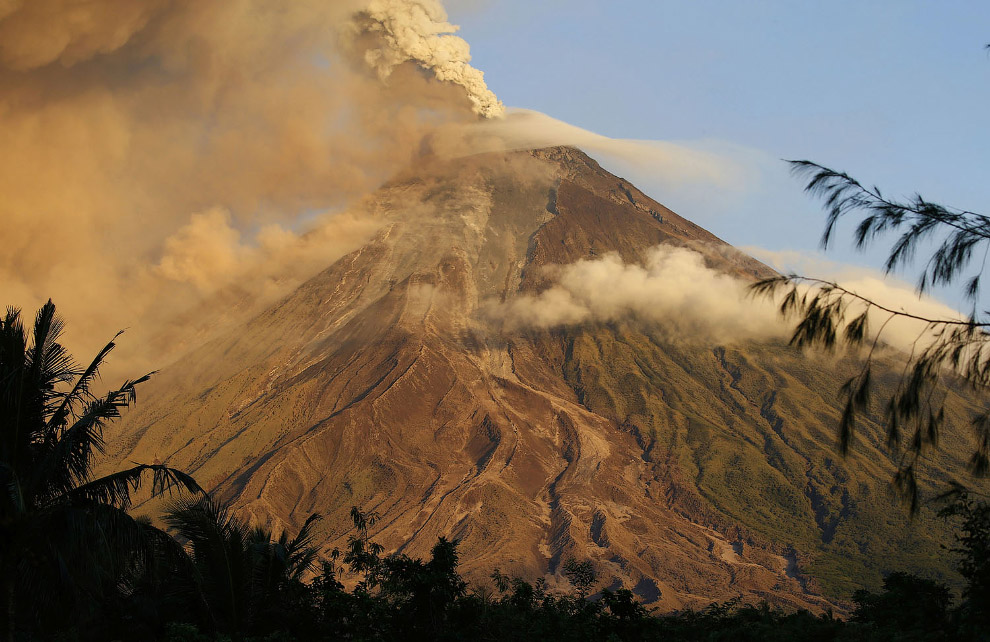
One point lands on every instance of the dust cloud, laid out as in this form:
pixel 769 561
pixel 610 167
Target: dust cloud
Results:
pixel 171 166
pixel 159 152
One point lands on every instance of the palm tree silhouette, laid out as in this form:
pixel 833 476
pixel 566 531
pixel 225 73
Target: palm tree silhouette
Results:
pixel 239 576
pixel 60 527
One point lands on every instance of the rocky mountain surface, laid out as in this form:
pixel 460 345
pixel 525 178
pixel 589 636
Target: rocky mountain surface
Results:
pixel 688 471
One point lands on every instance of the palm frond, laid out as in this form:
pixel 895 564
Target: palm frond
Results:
pixel 13 354
pixel 68 461
pixel 301 553
pixel 201 518
pixel 85 547
pixel 65 534
pixel 115 489
pixel 13 494
pixel 13 345
pixel 220 550
pixel 80 390
pixel 48 362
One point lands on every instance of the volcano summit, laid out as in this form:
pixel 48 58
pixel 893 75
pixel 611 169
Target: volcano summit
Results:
pixel 441 377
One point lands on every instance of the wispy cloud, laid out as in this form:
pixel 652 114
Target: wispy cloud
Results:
pixel 673 289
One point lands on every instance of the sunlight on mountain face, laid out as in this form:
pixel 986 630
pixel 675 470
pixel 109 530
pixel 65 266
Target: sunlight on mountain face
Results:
pixel 161 174
pixel 372 289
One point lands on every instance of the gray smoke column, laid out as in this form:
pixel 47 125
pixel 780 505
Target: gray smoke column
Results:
pixel 417 31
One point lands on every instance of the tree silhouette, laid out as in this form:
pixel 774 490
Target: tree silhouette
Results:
pixel 59 526
pixel 582 575
pixel 973 548
pixel 906 602
pixel 948 350
pixel 236 574
pixel 363 555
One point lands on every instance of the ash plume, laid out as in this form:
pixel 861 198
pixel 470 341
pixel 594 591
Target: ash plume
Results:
pixel 417 31
pixel 158 153
pixel 171 165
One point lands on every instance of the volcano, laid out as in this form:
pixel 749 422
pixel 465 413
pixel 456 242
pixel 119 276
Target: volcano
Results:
pixel 687 471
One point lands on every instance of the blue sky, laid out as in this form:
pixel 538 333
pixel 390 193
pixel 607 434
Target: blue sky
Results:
pixel 894 92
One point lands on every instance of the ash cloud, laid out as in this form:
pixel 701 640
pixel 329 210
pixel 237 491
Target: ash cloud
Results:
pixel 672 288
pixel 171 165
pixel 157 152
pixel 417 31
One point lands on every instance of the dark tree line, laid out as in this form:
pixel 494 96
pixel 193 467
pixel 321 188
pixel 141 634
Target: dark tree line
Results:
pixel 58 525
pixel 74 565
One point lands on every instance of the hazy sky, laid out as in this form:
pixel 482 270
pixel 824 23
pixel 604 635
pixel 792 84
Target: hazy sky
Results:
pixel 894 92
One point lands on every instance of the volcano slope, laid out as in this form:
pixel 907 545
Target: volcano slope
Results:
pixel 688 471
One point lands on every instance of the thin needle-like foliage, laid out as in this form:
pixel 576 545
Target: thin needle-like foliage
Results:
pixel 948 351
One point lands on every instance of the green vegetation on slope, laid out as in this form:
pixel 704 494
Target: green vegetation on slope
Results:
pixel 751 431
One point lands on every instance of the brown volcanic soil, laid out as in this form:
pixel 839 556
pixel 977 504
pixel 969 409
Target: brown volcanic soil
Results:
pixel 690 472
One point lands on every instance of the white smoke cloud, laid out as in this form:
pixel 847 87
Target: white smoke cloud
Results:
pixel 418 31
pixel 892 293
pixel 528 129
pixel 672 288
